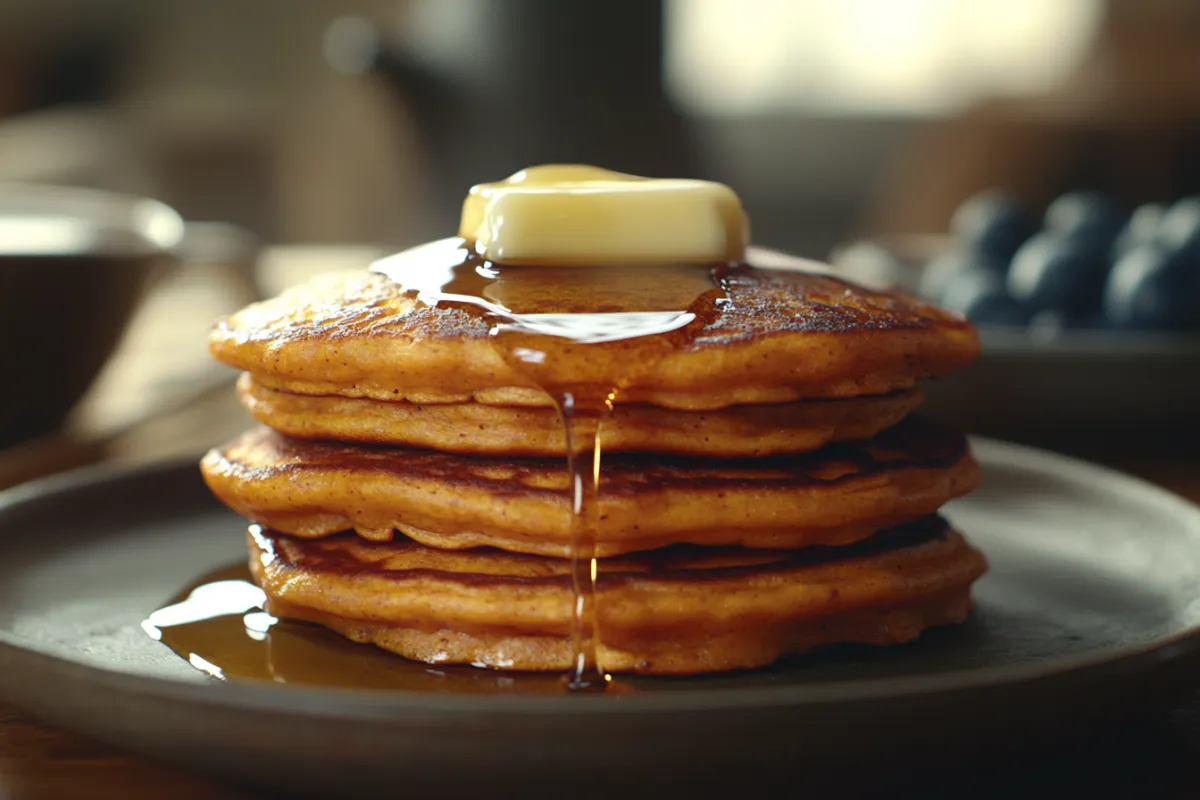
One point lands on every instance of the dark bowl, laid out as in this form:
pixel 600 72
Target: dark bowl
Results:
pixel 73 265
pixel 1095 393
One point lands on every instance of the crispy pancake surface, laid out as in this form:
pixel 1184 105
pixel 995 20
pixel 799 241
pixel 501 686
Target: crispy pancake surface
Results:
pixel 840 494
pixel 735 432
pixel 782 335
pixel 675 611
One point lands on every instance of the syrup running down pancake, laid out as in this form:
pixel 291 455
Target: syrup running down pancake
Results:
pixel 681 610
pixel 597 431
pixel 834 496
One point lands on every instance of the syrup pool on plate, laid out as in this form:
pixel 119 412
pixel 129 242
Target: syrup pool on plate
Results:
pixel 218 625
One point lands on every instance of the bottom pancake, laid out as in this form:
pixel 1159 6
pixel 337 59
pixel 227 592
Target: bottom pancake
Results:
pixel 681 610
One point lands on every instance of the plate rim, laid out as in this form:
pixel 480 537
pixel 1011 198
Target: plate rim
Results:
pixel 367 704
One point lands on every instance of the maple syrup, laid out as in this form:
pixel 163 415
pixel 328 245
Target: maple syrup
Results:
pixel 539 314
pixel 561 257
pixel 218 625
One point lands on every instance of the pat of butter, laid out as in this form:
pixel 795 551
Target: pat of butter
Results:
pixel 578 215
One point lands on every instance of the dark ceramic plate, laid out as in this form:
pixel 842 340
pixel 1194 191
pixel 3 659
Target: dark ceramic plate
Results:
pixel 1092 606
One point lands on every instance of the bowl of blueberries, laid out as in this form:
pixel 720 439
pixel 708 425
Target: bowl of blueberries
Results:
pixel 1089 316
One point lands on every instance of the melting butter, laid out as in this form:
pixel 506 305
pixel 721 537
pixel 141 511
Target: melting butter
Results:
pixel 579 215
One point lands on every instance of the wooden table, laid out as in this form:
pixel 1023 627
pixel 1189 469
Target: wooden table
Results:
pixel 1156 756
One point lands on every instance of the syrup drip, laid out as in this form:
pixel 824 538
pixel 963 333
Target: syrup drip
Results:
pixel 585 671
pixel 537 313
pixel 218 625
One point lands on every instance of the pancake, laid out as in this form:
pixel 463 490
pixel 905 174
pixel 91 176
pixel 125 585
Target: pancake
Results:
pixel 682 610
pixel 838 495
pixel 775 336
pixel 735 432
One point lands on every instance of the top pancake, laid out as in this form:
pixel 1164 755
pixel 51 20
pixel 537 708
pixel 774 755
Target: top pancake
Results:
pixel 782 335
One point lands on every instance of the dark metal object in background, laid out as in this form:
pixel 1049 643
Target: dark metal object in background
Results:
pixel 73 266
pixel 530 82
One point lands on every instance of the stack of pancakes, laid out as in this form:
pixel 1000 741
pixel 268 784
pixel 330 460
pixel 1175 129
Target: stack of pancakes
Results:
pixel 763 491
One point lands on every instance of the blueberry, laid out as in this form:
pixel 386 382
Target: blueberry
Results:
pixel 1153 288
pixel 979 295
pixel 1094 322
pixel 876 264
pixel 1049 324
pixel 992 224
pixel 1059 273
pixel 1089 215
pixel 1046 325
pixel 940 272
pixel 1179 230
pixel 1142 227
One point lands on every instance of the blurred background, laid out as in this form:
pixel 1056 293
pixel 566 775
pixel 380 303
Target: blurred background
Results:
pixel 287 118
pixel 322 133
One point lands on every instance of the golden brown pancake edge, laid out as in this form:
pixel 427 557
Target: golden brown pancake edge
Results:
pixel 478 428
pixel 681 611
pixel 835 496
pixel 784 336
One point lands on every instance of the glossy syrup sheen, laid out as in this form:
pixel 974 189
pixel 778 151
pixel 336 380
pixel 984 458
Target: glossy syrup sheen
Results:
pixel 560 327
pixel 536 315
pixel 219 626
